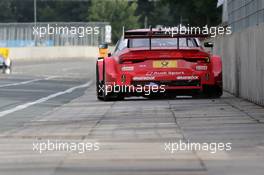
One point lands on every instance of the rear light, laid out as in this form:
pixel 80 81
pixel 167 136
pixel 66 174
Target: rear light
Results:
pixel 127 68
pixel 201 67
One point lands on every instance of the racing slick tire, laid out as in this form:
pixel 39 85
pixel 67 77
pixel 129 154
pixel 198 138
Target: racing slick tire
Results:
pixel 103 95
pixel 7 66
pixel 99 85
pixel 213 91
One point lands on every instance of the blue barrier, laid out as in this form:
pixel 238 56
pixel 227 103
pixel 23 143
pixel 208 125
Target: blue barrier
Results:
pixel 25 43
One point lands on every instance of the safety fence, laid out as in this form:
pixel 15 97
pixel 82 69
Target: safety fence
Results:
pixel 52 34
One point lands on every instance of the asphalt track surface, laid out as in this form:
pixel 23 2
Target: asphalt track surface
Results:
pixel 55 101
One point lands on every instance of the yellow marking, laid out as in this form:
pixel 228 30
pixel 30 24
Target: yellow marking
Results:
pixel 103 52
pixel 165 64
pixel 4 52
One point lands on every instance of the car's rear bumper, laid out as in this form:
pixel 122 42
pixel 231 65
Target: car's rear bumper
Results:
pixel 165 84
pixel 154 89
pixel 172 84
pixel 184 88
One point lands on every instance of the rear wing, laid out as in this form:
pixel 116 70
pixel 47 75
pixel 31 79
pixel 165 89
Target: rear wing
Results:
pixel 160 33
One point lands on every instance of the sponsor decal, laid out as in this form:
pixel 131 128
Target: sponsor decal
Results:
pixel 163 73
pixel 165 64
pixel 155 73
pixel 143 78
pixel 127 68
pixel 192 77
pixel 201 67
pixel 175 73
pixel 142 65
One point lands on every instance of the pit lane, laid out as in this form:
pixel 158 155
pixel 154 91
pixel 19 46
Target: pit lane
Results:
pixel 131 133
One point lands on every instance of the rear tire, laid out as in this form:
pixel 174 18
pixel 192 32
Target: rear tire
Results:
pixel 112 96
pixel 213 91
pixel 99 85
pixel 7 70
pixel 7 67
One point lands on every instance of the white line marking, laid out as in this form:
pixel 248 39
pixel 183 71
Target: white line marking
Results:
pixel 41 100
pixel 26 82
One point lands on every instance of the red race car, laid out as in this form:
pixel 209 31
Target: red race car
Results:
pixel 152 63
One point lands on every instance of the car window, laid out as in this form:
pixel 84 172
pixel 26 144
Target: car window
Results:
pixel 121 44
pixel 190 42
pixel 116 46
pixel 162 42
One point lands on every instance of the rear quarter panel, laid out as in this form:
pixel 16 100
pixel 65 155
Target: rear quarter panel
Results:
pixel 111 69
pixel 216 62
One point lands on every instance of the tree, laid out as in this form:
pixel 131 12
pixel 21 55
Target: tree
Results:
pixel 195 13
pixel 118 12
pixel 131 14
pixel 23 10
pixel 63 11
pixel 160 14
pixel 6 15
pixel 145 8
pixel 47 13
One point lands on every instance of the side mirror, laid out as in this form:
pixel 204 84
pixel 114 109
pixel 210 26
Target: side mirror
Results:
pixel 208 44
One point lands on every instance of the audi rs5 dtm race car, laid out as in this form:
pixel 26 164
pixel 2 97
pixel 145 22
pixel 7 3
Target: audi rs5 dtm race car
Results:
pixel 153 63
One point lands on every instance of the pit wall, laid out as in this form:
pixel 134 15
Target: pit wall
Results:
pixel 243 63
pixel 60 52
